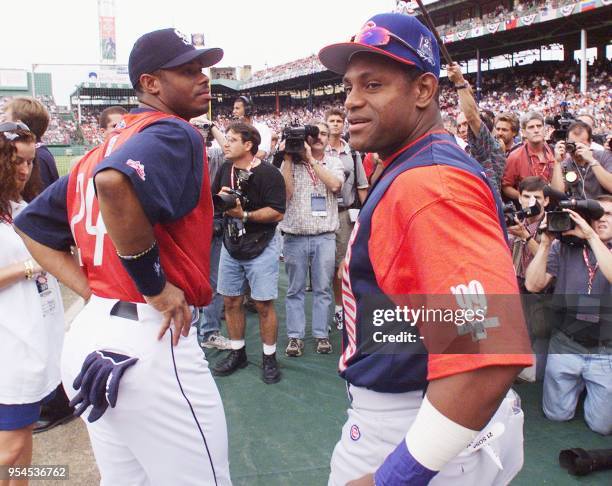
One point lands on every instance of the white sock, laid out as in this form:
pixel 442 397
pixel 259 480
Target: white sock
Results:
pixel 269 349
pixel 237 344
pixel 338 308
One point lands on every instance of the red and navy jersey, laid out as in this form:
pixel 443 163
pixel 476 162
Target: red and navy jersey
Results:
pixel 431 228
pixel 164 158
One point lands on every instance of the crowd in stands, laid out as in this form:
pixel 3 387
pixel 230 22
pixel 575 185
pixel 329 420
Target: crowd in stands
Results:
pixel 500 14
pixel 541 86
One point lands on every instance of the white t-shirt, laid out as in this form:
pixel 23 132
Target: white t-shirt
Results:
pixel 31 327
pixel 266 137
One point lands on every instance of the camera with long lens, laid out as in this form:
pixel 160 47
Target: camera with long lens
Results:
pixel 295 137
pixel 559 221
pixel 229 200
pixel 510 212
pixel 561 123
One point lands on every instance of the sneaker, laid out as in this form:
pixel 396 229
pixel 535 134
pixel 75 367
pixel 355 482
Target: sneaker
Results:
pixel 270 372
pixel 216 340
pixel 295 347
pixel 339 319
pixel 323 346
pixel 236 359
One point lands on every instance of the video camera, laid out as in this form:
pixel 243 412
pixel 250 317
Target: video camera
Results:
pixel 228 200
pixel 510 212
pixel 561 123
pixel 559 221
pixel 295 137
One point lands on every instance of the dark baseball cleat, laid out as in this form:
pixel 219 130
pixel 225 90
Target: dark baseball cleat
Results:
pixel 236 359
pixel 270 373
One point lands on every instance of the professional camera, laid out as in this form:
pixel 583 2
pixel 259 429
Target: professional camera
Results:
pixel 559 221
pixel 295 137
pixel 228 200
pixel 561 123
pixel 510 212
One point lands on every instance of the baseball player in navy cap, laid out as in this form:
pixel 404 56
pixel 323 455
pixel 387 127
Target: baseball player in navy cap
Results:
pixel 437 409
pixel 139 210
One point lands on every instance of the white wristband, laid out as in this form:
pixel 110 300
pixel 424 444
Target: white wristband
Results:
pixel 434 439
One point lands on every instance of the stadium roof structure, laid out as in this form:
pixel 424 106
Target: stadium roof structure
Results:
pixel 535 28
pixel 561 25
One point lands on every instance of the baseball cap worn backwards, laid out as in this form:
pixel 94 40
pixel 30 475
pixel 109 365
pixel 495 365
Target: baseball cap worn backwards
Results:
pixel 165 49
pixel 397 36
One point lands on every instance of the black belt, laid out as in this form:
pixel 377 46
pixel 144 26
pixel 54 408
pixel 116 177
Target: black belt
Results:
pixel 340 209
pixel 125 310
pixel 589 342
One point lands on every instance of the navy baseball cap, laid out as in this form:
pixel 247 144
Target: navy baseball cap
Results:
pixel 164 49
pixel 397 36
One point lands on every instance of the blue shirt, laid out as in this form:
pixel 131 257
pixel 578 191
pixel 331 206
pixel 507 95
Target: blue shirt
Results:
pixel 46 165
pixel 171 155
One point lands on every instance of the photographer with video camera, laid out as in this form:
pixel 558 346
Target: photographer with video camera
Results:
pixel 251 194
pixel 581 343
pixel 313 179
pixel 579 170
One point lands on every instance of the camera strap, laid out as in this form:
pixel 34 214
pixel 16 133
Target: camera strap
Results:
pixel 592 270
pixel 248 169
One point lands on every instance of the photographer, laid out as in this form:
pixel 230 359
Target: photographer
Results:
pixel 252 195
pixel 579 170
pixel 354 188
pixel 533 158
pixel 579 350
pixel 313 179
pixel 209 323
pixel 524 240
pixel 476 128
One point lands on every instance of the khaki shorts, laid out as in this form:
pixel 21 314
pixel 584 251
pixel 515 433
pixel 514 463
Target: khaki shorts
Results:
pixel 343 233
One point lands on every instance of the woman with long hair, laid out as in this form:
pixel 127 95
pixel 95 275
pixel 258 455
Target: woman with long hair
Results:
pixel 31 311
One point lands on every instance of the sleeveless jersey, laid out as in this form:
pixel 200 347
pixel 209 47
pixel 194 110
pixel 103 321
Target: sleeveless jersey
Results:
pixel 184 244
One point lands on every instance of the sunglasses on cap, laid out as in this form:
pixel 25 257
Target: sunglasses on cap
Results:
pixel 379 37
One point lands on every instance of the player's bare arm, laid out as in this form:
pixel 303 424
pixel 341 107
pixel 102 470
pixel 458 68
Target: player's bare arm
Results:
pixel 131 233
pixel 60 264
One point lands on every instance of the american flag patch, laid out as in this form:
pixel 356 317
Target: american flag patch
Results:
pixel 138 167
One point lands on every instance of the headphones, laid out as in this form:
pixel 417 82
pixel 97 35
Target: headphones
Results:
pixel 248 105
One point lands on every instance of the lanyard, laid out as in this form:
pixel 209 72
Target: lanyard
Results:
pixel 311 173
pixel 233 168
pixel 592 270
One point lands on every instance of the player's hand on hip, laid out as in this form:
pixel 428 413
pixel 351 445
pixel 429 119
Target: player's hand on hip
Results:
pixel 172 304
pixel 367 480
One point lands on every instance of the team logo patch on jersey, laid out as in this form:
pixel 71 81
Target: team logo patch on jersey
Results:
pixel 138 167
pixel 355 433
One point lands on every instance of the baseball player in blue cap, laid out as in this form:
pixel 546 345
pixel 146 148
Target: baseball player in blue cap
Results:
pixel 139 210
pixel 436 409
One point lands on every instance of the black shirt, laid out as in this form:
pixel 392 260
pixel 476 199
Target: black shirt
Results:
pixel 266 188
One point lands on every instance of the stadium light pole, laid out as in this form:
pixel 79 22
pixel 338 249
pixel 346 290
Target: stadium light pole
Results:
pixel 583 61
pixel 33 82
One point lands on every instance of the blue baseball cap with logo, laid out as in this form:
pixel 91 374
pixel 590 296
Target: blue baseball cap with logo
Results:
pixel 165 49
pixel 400 37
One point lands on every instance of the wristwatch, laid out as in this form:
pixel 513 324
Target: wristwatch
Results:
pixel 245 216
pixel 462 86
